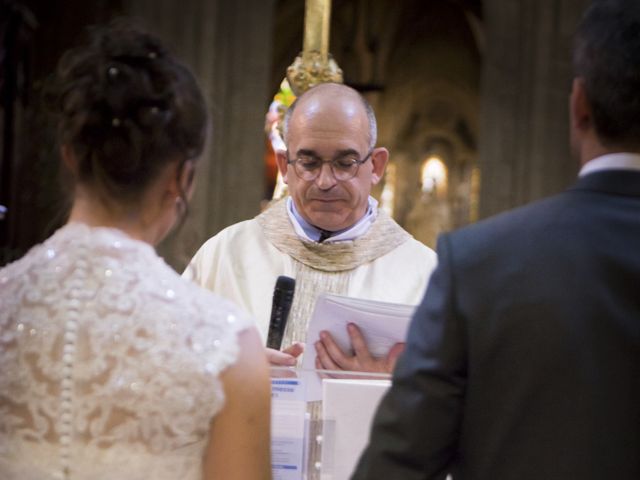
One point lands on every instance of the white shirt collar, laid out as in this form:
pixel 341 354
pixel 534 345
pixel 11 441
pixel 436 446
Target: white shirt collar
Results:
pixel 612 161
pixel 306 231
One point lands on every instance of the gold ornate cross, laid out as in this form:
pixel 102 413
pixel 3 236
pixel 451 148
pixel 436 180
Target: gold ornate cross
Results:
pixel 314 64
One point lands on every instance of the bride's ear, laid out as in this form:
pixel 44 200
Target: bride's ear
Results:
pixel 181 179
pixel 186 178
pixel 69 159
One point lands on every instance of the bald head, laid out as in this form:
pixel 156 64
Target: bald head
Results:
pixel 329 128
pixel 335 97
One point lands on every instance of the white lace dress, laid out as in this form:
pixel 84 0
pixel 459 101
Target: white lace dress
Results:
pixel 109 361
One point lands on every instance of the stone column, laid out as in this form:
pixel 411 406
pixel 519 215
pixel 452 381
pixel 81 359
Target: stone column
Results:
pixel 228 45
pixel 524 144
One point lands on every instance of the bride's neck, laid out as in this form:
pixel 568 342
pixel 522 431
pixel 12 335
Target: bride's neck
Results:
pixel 135 220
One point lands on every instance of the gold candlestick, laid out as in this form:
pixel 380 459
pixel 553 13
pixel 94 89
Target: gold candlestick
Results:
pixel 314 64
pixel 317 21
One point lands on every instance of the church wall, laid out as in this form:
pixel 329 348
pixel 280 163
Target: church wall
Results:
pixel 227 44
pixel 517 113
pixel 524 144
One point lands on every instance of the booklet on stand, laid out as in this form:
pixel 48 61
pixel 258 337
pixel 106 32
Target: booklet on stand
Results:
pixel 382 324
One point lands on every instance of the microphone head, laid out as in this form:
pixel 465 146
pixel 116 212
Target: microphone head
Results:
pixel 285 283
pixel 282 301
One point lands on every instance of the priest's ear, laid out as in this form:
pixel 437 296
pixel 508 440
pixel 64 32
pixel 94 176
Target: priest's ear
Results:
pixel 283 164
pixel 379 160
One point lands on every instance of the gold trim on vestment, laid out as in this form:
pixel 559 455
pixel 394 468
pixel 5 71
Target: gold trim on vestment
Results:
pixel 324 267
pixel 383 236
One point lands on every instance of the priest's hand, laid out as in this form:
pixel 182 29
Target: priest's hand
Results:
pixel 331 357
pixel 287 357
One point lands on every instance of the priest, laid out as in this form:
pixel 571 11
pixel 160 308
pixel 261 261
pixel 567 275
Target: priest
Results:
pixel 328 233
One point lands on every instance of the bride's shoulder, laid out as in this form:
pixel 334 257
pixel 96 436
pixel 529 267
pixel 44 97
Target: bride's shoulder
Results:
pixel 18 276
pixel 211 307
pixel 197 306
pixel 197 323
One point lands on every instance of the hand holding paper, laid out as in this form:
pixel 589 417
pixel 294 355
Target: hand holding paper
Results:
pixel 372 346
pixel 329 356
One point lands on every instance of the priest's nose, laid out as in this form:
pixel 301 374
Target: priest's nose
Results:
pixel 326 179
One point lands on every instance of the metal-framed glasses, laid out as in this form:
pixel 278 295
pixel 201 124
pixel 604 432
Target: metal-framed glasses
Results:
pixel 343 167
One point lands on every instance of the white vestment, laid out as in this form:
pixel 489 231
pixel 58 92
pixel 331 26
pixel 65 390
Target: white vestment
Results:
pixel 243 261
pixel 110 361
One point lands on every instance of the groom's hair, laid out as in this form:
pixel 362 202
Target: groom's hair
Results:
pixel 607 58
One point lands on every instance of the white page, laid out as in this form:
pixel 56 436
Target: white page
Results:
pixel 288 414
pixel 382 324
pixel 348 408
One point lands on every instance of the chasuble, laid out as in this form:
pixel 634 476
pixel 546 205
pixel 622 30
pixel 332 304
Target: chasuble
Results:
pixel 243 261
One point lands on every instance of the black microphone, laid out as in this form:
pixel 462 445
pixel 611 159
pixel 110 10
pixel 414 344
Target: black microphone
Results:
pixel 282 300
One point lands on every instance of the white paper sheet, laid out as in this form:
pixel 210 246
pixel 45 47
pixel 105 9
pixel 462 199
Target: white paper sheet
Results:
pixel 382 324
pixel 348 409
pixel 288 418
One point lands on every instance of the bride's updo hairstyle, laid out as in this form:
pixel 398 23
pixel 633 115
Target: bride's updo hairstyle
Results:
pixel 126 109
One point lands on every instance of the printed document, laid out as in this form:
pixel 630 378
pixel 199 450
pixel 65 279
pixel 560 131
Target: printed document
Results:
pixel 382 324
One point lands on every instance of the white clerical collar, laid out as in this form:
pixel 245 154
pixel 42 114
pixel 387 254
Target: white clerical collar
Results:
pixel 306 231
pixel 612 161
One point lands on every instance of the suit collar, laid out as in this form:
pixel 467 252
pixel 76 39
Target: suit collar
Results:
pixel 616 182
pixel 612 161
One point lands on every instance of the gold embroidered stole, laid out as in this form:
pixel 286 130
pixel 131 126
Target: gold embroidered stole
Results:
pixel 324 267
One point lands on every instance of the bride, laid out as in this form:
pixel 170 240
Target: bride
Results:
pixel 113 367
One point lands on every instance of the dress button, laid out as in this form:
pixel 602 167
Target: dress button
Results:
pixel 70 337
pixel 74 303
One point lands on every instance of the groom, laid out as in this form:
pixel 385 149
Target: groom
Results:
pixel 523 360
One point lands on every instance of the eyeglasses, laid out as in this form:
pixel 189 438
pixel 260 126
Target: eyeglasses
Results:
pixel 343 167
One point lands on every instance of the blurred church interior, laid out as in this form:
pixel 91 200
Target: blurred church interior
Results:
pixel 470 97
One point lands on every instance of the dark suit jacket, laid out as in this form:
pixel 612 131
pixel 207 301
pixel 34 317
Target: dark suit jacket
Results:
pixel 523 360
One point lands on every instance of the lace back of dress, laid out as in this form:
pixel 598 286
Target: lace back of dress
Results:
pixel 111 365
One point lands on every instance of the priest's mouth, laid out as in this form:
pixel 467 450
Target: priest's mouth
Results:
pixel 327 200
